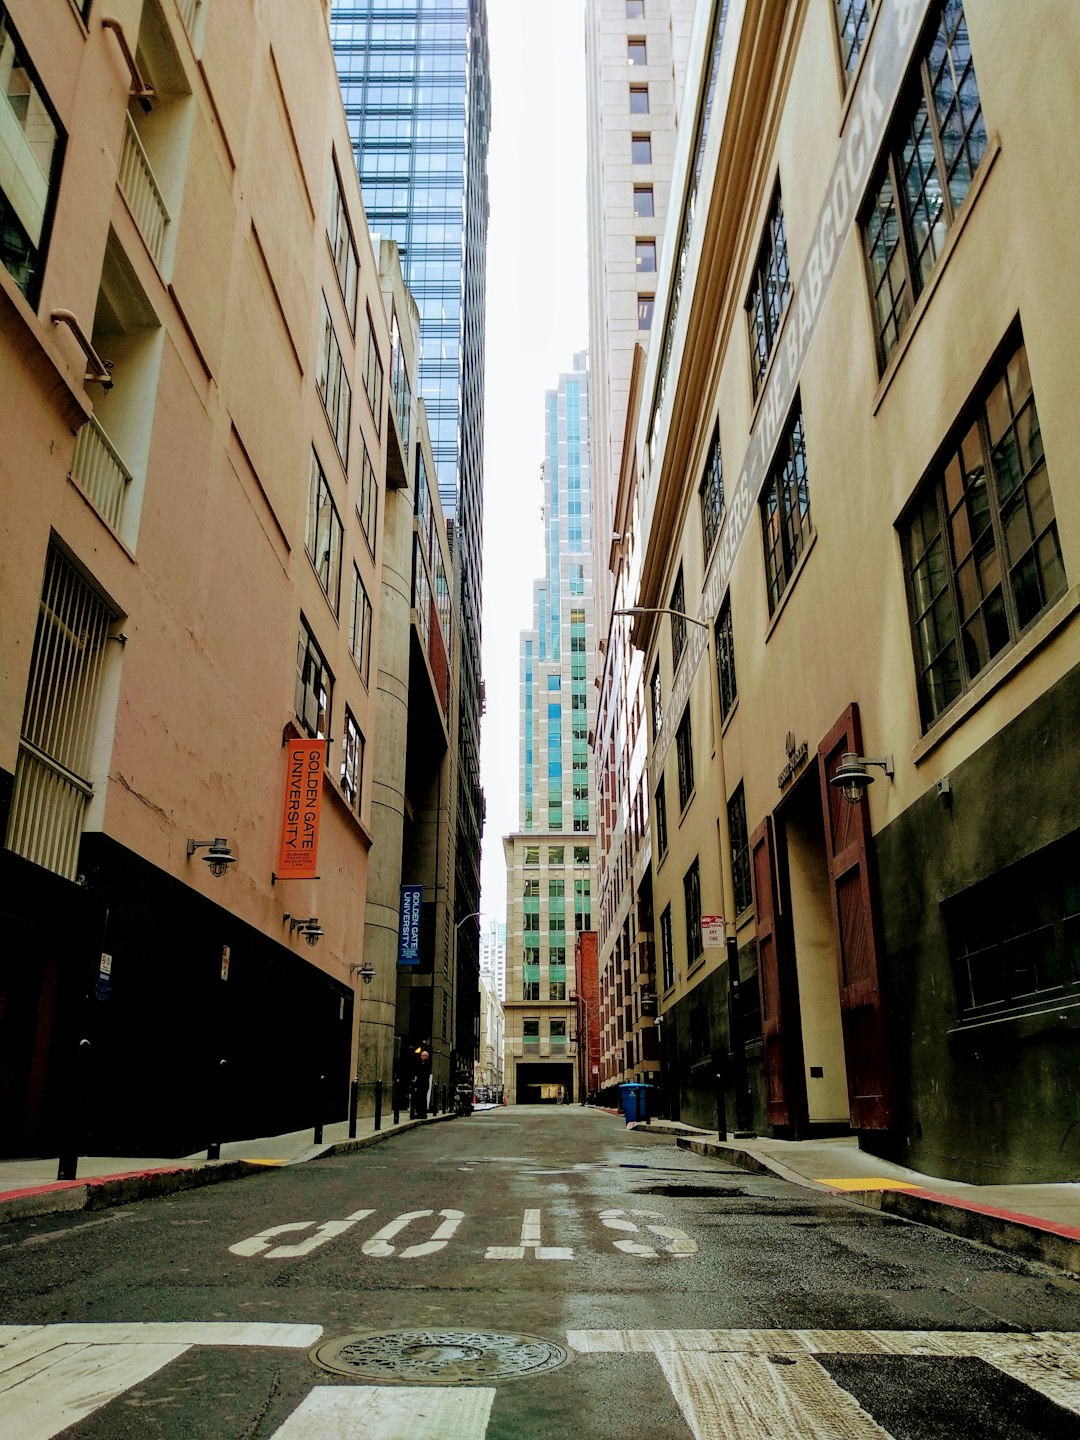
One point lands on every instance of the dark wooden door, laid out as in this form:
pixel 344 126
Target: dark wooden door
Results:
pixel 779 1008
pixel 857 932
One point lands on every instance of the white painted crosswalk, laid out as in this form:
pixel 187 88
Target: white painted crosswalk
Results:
pixel 728 1384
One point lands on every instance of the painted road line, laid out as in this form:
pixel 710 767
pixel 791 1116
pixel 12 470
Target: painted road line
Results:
pixel 261 1244
pixel 869 1183
pixel 390 1412
pixel 530 1240
pixel 677 1241
pixel 1046 1361
pixel 755 1397
pixel 379 1244
pixel 54 1375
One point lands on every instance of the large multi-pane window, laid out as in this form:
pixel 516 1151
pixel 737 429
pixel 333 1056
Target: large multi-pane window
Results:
pixel 367 496
pixel 342 245
pixel 1015 936
pixel 557 1031
pixel 360 626
pixel 677 604
pixel 556 906
pixel 770 290
pixel 725 660
pixel 695 945
pixel 656 696
pixel 926 172
pixel 314 685
pixel 373 375
pixel 667 949
pixel 530 1034
pixel 786 525
pixel 740 851
pixel 322 538
pixel 333 386
pixel 684 748
pixel 711 494
pixel 582 905
pixel 852 23
pixel 352 761
pixel 31 149
pixel 981 548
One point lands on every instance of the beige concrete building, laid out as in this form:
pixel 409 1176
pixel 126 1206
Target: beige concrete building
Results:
pixel 635 77
pixel 856 459
pixel 193 352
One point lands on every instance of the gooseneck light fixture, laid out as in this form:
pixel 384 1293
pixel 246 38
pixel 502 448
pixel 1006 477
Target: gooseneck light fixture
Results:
pixel 220 857
pixel 366 971
pixel 310 928
pixel 852 776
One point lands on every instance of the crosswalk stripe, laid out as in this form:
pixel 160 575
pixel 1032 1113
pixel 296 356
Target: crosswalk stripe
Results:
pixel 390 1412
pixel 753 1397
pixel 76 1381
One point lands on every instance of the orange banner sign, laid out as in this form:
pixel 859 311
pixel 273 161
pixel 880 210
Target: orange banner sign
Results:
pixel 303 798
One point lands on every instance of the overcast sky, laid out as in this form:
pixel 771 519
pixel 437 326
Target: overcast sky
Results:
pixel 537 319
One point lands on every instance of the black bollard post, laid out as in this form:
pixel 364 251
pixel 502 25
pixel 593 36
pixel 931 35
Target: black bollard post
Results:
pixel 721 1110
pixel 354 1105
pixel 378 1104
pixel 319 1108
pixel 213 1150
pixel 395 1091
pixel 68 1163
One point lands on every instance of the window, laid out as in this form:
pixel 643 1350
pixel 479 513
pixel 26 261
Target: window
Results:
pixel 645 311
pixel 657 695
pixel 367 496
pixel 373 376
pixel 643 202
pixel 645 256
pixel 740 851
pixel 31 150
pixel 852 22
pixel 532 854
pixel 691 885
pixel 334 389
pixel 530 989
pixel 53 771
pixel 530 1033
pixel 661 819
pixel 770 290
pixel 582 905
pixel 635 9
pixel 558 1034
pixel 1015 936
pixel 635 52
pixel 725 660
pixel 639 100
pixel 667 951
pixel 352 762
pixel 360 626
pixel 785 509
pixel 678 624
pixel 685 750
pixel 556 989
pixel 581 855
pixel 935 149
pixel 322 538
pixel 981 551
pixel 640 150
pixel 555 855
pixel 314 686
pixel 342 245
pixel 711 494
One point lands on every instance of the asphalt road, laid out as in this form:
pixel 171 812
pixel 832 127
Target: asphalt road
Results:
pixel 564 1278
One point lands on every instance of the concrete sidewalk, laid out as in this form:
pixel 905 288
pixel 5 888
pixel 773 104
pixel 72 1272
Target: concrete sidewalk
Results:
pixel 30 1187
pixel 1040 1222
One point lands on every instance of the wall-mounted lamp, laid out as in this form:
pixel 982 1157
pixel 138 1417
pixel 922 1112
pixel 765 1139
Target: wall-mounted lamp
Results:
pixel 220 857
pixel 310 928
pixel 366 971
pixel 853 778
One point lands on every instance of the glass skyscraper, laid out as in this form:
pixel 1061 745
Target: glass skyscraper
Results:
pixel 414 77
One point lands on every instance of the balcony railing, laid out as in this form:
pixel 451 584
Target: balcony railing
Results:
pixel 140 190
pixel 47 810
pixel 99 471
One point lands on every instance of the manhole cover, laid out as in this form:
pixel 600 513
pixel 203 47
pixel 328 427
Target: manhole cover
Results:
pixel 438 1357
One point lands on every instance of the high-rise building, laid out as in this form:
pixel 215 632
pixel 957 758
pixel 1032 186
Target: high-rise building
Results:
pixel 635 72
pixel 493 954
pixel 414 78
pixel 550 858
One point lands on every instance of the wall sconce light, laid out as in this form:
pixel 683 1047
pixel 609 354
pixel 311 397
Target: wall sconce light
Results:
pixel 854 779
pixel 220 857
pixel 366 971
pixel 310 928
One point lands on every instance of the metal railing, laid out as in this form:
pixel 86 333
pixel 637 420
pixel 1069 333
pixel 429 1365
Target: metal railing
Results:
pixel 47 809
pixel 98 470
pixel 141 191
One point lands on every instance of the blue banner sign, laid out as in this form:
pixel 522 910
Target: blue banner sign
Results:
pixel 409 927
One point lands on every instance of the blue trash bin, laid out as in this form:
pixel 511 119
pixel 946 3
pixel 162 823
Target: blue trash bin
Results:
pixel 633 1100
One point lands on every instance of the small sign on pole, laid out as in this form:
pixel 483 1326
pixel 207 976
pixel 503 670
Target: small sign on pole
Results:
pixel 225 953
pixel 712 932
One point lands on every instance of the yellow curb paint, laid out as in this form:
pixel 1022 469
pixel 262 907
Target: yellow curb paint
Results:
pixel 869 1183
pixel 249 1160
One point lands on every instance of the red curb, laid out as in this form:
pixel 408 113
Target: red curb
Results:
pixel 1067 1232
pixel 89 1180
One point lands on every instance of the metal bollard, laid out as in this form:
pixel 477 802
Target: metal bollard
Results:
pixel 68 1164
pixel 213 1150
pixel 320 1107
pixel 396 1092
pixel 721 1110
pixel 378 1104
pixel 354 1105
